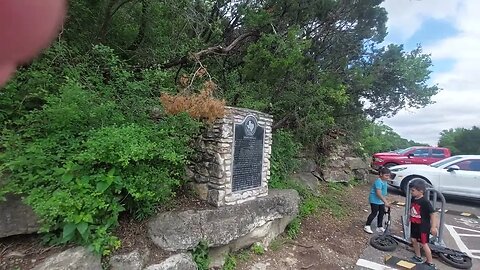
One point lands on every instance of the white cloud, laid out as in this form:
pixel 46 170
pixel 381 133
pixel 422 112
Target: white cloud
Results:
pixel 458 104
pixel 405 17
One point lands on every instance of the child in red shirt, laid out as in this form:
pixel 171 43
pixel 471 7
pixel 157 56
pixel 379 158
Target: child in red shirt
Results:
pixel 423 221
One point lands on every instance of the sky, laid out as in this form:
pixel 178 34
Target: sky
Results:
pixel 448 30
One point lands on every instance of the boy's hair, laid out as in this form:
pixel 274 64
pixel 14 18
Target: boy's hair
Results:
pixel 383 170
pixel 419 185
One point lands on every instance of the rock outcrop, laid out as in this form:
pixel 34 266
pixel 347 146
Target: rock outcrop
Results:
pixel 238 225
pixel 17 217
pixel 134 260
pixel 77 258
pixel 182 261
pixel 340 166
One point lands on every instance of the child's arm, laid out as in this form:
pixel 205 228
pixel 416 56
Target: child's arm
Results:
pixel 379 194
pixel 433 224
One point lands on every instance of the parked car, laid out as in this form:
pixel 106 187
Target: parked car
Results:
pixel 456 175
pixel 411 155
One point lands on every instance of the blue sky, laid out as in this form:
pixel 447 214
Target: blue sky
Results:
pixel 449 32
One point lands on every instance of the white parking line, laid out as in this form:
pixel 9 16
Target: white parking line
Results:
pixel 468 235
pixel 373 265
pixel 459 242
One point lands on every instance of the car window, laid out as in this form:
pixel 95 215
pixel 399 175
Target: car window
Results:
pixel 421 152
pixel 469 165
pixel 444 161
pixel 438 153
pixel 406 150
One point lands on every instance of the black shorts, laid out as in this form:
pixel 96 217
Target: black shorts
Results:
pixel 419 232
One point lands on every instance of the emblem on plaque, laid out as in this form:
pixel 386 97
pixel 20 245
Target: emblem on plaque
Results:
pixel 250 125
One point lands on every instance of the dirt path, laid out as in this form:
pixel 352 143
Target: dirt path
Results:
pixel 325 242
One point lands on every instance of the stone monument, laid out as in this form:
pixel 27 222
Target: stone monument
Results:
pixel 232 164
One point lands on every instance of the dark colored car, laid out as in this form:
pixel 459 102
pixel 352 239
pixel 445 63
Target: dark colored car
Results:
pixel 411 155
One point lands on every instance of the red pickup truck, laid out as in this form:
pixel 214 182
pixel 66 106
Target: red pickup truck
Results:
pixel 411 155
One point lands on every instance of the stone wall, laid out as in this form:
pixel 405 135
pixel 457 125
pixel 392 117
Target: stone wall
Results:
pixel 213 168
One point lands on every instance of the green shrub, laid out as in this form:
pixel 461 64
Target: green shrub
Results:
pixel 283 160
pixel 230 263
pixel 88 151
pixel 293 228
pixel 258 249
pixel 200 255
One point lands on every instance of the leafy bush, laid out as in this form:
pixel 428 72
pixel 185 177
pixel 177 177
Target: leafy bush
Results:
pixel 293 228
pixel 200 255
pixel 283 160
pixel 258 249
pixel 84 156
pixel 230 263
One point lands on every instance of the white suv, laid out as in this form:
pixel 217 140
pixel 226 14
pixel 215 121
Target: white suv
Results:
pixel 456 175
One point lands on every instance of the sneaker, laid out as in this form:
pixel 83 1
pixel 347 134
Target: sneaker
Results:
pixel 367 229
pixel 416 259
pixel 430 266
pixel 380 230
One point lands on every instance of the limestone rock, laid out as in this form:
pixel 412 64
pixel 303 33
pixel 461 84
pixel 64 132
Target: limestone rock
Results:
pixel 308 180
pixel 355 163
pixel 77 258
pixel 17 217
pixel 263 235
pixel 181 261
pixel 201 190
pixel 306 165
pixel 361 174
pixel 131 261
pixel 341 166
pixel 337 176
pixel 176 231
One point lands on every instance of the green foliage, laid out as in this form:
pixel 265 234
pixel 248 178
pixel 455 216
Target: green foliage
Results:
pixel 283 160
pixel 200 255
pixel 391 79
pixel 293 228
pixel 257 249
pixel 283 163
pixel 230 262
pixel 81 157
pixel 330 201
pixel 377 137
pixel 461 141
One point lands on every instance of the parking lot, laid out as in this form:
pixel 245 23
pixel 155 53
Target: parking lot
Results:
pixel 461 232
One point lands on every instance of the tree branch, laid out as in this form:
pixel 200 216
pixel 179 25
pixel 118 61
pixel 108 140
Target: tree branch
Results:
pixel 143 25
pixel 280 123
pixel 209 51
pixel 109 15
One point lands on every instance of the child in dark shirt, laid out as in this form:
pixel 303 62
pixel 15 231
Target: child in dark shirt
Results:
pixel 423 221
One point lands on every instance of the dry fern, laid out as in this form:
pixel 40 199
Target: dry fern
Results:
pixel 202 106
